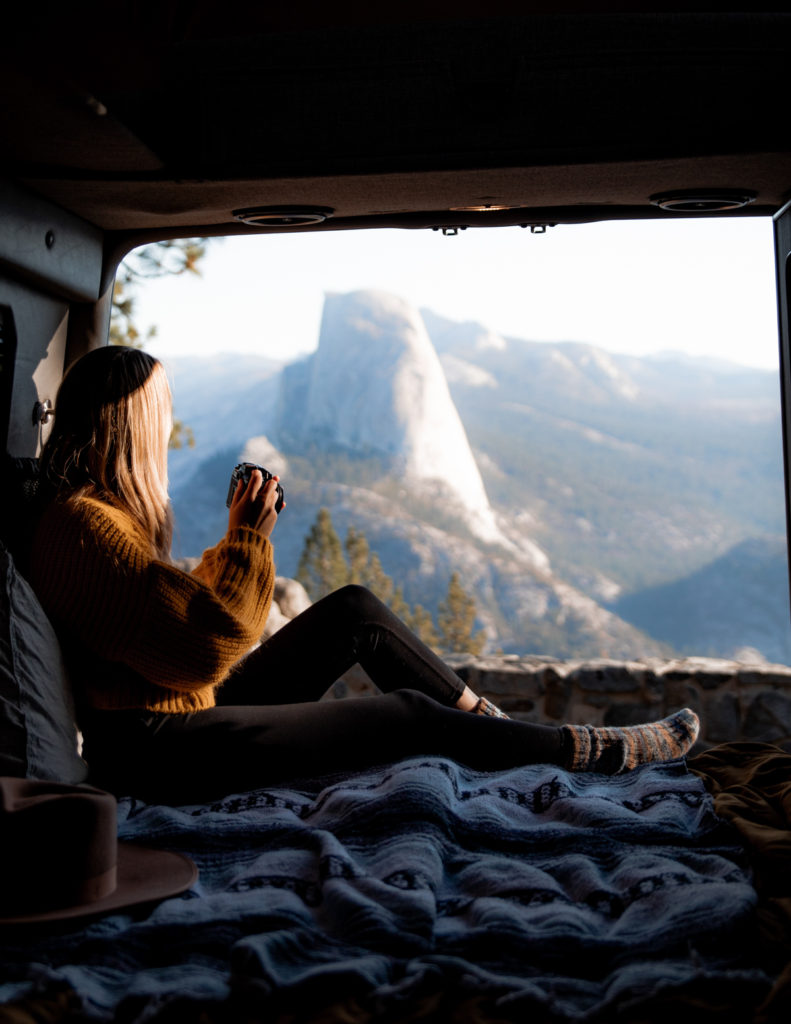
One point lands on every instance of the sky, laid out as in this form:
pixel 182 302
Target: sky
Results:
pixel 701 286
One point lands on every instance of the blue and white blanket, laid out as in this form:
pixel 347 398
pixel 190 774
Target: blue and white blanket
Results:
pixel 572 896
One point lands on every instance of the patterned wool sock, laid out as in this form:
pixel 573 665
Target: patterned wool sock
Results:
pixel 611 750
pixel 485 707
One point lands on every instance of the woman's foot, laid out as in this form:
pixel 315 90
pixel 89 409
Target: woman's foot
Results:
pixel 611 750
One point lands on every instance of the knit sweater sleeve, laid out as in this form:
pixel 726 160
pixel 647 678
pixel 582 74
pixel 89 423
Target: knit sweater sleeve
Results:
pixel 206 568
pixel 95 578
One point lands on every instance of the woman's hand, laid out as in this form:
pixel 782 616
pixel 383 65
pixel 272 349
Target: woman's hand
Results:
pixel 254 505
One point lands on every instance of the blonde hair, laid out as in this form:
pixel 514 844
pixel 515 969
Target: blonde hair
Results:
pixel 110 438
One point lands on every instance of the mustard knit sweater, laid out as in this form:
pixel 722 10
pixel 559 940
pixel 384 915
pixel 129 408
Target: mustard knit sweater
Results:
pixel 138 632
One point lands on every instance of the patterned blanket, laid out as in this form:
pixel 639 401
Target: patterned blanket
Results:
pixel 539 894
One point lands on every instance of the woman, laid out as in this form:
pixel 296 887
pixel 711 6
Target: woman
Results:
pixel 172 704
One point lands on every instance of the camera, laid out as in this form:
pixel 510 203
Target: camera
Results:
pixel 242 472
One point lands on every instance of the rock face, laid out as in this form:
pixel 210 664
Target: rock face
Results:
pixel 261 451
pixel 290 597
pixel 375 385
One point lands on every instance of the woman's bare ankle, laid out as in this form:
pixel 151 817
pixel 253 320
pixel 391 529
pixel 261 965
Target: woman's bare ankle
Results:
pixel 468 700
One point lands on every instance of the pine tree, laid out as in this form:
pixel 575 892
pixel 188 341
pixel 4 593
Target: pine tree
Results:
pixel 322 567
pixel 398 605
pixel 174 256
pixel 456 621
pixel 377 580
pixel 366 569
pixel 358 554
pixel 325 564
pixel 421 623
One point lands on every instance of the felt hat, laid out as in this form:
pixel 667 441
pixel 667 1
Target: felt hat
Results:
pixel 60 857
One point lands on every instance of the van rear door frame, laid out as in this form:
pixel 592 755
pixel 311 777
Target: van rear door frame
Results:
pixel 782 235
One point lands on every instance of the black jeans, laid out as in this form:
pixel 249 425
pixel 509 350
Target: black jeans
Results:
pixel 268 726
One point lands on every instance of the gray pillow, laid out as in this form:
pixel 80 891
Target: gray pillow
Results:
pixel 38 735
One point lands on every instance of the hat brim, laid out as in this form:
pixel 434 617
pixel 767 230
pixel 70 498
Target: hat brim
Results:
pixel 144 876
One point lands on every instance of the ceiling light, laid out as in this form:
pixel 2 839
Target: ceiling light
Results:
pixel 703 200
pixel 283 216
pixel 482 208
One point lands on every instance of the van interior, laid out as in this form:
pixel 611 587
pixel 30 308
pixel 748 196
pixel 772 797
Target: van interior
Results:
pixel 132 123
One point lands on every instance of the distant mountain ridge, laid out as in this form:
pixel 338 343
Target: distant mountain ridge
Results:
pixel 585 477
pixel 748 584
pixel 609 451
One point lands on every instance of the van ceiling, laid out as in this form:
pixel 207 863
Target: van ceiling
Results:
pixel 160 119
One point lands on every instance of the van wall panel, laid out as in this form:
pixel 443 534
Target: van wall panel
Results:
pixel 41 323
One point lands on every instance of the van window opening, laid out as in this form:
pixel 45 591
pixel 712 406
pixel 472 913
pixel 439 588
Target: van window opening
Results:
pixel 616 383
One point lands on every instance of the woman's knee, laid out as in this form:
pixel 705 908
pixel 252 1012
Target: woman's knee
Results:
pixel 414 703
pixel 359 602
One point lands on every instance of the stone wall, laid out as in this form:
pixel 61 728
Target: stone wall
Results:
pixel 736 700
